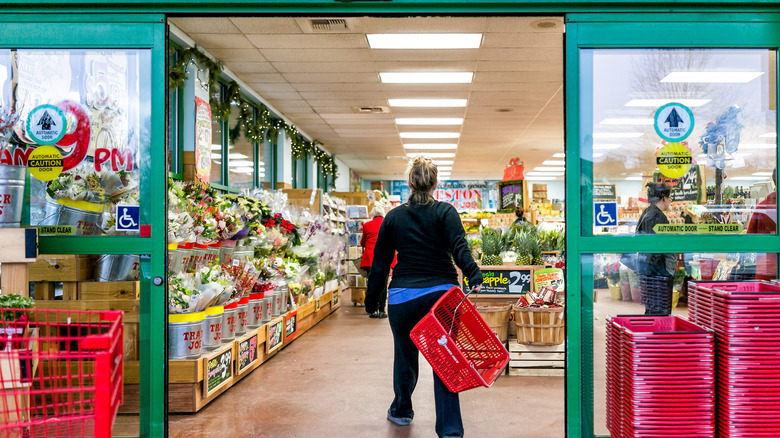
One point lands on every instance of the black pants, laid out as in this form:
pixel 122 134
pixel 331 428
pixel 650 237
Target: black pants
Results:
pixel 403 318
pixel 382 293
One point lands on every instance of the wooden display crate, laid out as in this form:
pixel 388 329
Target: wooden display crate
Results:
pixel 109 290
pixel 63 267
pixel 532 360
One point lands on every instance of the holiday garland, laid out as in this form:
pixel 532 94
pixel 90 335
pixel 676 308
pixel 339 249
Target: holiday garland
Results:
pixel 267 125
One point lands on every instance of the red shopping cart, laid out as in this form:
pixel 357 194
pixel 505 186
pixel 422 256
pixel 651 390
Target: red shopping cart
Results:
pixel 60 372
pixel 461 348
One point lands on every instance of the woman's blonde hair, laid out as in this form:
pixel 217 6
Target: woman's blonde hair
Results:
pixel 422 175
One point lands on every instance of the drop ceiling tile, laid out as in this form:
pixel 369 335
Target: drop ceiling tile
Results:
pixel 270 25
pixel 195 25
pixel 523 76
pixel 400 93
pixel 359 119
pixel 429 65
pixel 281 95
pixel 250 67
pixel 331 77
pixel 236 55
pixel 416 56
pixel 221 41
pixel 262 87
pixel 331 86
pixel 532 54
pixel 262 77
pixel 324 67
pixel 309 41
pixel 372 96
pixel 423 24
pixel 526 39
pixel 413 89
pixel 311 55
pixel 350 104
pixel 522 66
pixel 428 112
pixel 521 24
pixel 549 88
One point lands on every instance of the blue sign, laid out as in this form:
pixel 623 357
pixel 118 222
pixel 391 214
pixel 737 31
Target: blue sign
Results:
pixel 674 122
pixel 605 214
pixel 128 217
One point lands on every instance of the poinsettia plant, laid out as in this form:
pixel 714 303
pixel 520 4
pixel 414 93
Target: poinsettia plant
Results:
pixel 613 272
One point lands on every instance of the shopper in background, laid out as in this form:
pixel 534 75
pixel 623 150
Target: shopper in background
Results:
pixel 519 213
pixel 370 231
pixel 657 268
pixel 764 221
pixel 428 235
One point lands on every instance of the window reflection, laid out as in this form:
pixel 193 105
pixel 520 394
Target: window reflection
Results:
pixel 240 152
pixel 216 142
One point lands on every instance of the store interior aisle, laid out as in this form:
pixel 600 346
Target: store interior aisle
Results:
pixel 336 381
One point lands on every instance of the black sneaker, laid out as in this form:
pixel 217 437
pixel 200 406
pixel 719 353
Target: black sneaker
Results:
pixel 401 421
pixel 382 315
pixel 373 315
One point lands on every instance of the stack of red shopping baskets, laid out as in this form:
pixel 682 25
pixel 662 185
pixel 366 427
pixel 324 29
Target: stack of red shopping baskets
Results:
pixel 746 320
pixel 660 378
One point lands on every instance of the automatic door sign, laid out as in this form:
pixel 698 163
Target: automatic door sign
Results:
pixel 46 124
pixel 128 217
pixel 45 163
pixel 674 122
pixel 674 160
pixel 605 214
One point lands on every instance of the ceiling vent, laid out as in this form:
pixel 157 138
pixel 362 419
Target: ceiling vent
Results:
pixel 372 110
pixel 328 24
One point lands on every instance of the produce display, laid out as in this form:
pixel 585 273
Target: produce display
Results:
pixel 227 246
pixel 545 297
pixel 491 247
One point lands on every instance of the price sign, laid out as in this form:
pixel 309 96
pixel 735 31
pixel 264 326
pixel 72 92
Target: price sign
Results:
pixel 274 335
pixel 504 281
pixel 247 352
pixel 604 192
pixel 291 325
pixel 219 371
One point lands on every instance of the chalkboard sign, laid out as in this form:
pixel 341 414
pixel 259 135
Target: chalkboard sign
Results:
pixel 505 281
pixel 689 187
pixel 603 192
pixel 510 194
pixel 247 352
pixel 274 335
pixel 218 369
pixel 291 325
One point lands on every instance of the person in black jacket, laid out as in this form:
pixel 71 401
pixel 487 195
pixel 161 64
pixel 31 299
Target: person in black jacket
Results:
pixel 656 268
pixel 428 235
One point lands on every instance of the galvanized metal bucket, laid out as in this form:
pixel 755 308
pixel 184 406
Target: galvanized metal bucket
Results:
pixel 229 319
pixel 185 335
pixel 84 221
pixel 118 267
pixel 284 291
pixel 11 195
pixel 255 310
pixel 51 213
pixel 212 328
pixel 243 316
pixel 276 305
pixel 268 304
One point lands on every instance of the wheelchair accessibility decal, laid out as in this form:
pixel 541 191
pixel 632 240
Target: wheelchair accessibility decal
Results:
pixel 605 214
pixel 128 217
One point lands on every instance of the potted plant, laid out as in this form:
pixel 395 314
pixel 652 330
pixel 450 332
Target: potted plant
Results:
pixel 613 280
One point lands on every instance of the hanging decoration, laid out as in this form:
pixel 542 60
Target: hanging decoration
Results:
pixel 267 126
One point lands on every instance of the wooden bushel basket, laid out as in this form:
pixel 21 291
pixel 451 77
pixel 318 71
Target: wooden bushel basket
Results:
pixel 539 325
pixel 497 318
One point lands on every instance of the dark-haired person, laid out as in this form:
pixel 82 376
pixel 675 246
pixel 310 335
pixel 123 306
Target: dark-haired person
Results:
pixel 428 235
pixel 764 221
pixel 519 213
pixel 659 266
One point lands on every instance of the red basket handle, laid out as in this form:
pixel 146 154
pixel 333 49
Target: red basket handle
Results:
pixel 454 312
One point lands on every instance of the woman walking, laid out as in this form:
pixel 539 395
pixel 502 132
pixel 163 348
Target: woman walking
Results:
pixel 428 236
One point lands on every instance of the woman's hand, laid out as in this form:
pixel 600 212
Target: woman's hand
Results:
pixel 476 289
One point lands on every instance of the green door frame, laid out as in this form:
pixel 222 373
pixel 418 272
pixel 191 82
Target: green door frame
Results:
pixel 121 32
pixel 597 31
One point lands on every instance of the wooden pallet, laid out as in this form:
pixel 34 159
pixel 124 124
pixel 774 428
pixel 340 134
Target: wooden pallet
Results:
pixel 531 360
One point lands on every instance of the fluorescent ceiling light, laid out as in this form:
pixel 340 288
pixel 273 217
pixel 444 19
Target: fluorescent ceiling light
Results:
pixel 428 103
pixel 431 154
pixel 633 178
pixel 597 155
pixel 445 173
pixel 603 146
pixel 749 178
pixel 240 163
pixel 429 121
pixel 545 173
pixel 443 162
pixel 431 146
pixel 237 155
pixel 762 173
pixel 617 134
pixel 444 167
pixel 430 134
pixel 662 102
pixel 549 169
pixel 424 40
pixel 720 77
pixel 554 163
pixel 757 146
pixel 627 121
pixel 542 178
pixel 559 155
pixel 442 77
pixel 444 178
pixel 216 147
pixel 769 135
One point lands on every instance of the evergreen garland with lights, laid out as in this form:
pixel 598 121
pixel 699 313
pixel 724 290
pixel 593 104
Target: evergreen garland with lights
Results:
pixel 267 125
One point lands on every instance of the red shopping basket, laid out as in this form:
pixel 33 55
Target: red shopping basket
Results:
pixel 461 348
pixel 60 372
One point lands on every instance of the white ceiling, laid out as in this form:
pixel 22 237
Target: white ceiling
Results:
pixel 317 79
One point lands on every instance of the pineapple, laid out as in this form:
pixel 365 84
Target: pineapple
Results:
pixel 522 246
pixel 491 247
pixel 535 248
